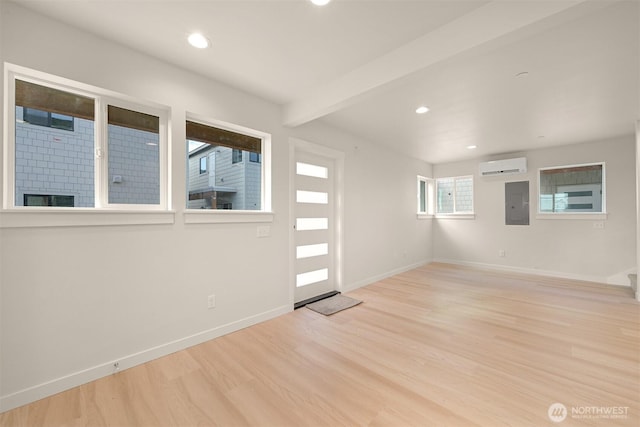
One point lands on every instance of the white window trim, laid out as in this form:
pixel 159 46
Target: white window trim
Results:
pixel 456 215
pixel 573 216
pixel 215 216
pixel 592 216
pixel 103 213
pixel 81 217
pixel 428 196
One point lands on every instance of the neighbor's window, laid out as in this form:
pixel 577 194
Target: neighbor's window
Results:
pixel 60 157
pixel 236 156
pixel 48 200
pixel 254 157
pixel 572 189
pixel 203 165
pixel 47 118
pixel 230 183
pixel 454 195
pixel 425 195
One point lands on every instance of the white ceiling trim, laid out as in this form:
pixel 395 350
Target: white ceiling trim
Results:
pixel 487 23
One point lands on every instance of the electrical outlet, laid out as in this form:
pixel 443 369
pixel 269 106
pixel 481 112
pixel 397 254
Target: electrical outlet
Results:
pixel 598 224
pixel 502 253
pixel 116 366
pixel 211 301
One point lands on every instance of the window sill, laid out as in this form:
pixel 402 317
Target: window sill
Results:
pixel 579 216
pixel 211 216
pixel 26 218
pixel 455 216
pixel 424 216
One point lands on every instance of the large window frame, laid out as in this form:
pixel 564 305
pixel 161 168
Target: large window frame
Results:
pixel 210 216
pixel 573 214
pixel 456 213
pixel 102 211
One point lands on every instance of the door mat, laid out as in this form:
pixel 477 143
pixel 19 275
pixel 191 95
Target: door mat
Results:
pixel 333 305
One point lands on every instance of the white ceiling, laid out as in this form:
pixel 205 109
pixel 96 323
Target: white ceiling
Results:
pixel 365 66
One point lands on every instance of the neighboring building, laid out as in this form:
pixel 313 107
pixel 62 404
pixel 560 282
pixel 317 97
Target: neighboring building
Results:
pixel 55 166
pixel 55 162
pixel 223 178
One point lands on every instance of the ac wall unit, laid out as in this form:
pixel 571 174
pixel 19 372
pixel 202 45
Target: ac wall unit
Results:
pixel 503 167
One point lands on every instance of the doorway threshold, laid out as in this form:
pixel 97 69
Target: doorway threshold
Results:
pixel 314 299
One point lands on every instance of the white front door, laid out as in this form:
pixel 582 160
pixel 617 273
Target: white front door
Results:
pixel 314 230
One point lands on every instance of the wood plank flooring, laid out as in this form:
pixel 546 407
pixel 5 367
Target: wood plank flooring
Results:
pixel 440 345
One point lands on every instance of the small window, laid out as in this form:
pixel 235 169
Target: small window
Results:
pixel 254 157
pixel 425 196
pixel 236 156
pixel 48 200
pixel 229 183
pixel 454 195
pixel 47 118
pixel 572 189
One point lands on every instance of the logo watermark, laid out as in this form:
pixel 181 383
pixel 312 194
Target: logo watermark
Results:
pixel 557 412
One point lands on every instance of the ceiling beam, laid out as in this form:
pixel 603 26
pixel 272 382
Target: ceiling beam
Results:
pixel 484 24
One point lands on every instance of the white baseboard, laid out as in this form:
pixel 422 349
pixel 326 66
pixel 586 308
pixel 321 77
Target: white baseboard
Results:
pixel 360 283
pixel 612 280
pixel 621 278
pixel 75 379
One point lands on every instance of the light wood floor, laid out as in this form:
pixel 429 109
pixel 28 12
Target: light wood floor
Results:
pixel 436 346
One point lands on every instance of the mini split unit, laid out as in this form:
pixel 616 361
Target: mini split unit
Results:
pixel 503 167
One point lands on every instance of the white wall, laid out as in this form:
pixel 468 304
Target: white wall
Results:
pixel 566 248
pixel 76 299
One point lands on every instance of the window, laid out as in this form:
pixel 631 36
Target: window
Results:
pixel 454 195
pixel 254 157
pixel 133 157
pixel 236 156
pixel 572 189
pixel 77 146
pixel 425 196
pixel 230 183
pixel 203 165
pixel 47 118
pixel 48 200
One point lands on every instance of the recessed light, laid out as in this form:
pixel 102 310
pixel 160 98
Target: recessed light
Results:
pixel 422 110
pixel 197 40
pixel 471 147
pixel 320 2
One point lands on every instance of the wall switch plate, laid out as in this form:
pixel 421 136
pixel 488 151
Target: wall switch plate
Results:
pixel 211 301
pixel 598 224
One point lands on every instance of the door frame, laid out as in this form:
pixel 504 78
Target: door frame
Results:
pixel 299 145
